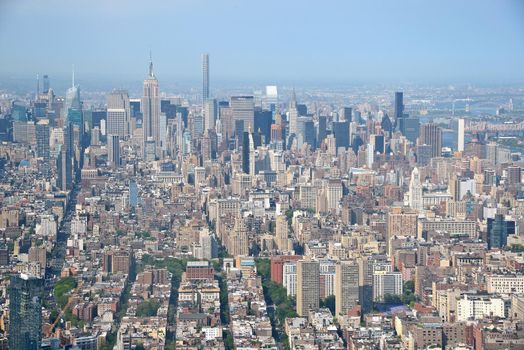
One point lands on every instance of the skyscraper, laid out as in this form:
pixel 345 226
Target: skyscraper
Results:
pixel 252 170
pixel 346 287
pixel 243 111
pixel 72 110
pixel 245 153
pixel 410 127
pixel 113 150
pixel 263 120
pixel 308 286
pixel 66 160
pixel 345 114
pixel 293 114
pixel 150 107
pixel 321 132
pixel 341 131
pixel 210 114
pixel 431 134
pixel 205 77
pixel 458 134
pixel 42 139
pixel 46 84
pixel 25 312
pixel 498 231
pixel 399 106
pixel 415 191
pixel 118 113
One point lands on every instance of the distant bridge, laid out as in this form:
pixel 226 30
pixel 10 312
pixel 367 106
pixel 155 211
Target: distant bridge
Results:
pixel 474 127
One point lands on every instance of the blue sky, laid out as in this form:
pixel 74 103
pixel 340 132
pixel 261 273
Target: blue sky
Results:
pixel 269 40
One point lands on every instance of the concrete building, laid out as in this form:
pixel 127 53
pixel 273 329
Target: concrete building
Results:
pixel 346 287
pixel 308 288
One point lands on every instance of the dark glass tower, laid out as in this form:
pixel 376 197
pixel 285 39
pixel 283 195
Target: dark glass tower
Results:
pixel 322 123
pixel 245 152
pixel 498 231
pixel 25 312
pixel 341 131
pixel 399 105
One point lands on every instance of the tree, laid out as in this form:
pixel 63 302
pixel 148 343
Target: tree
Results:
pixel 408 296
pixel 62 289
pixel 517 248
pixel 328 302
pixel 147 308
pixel 392 299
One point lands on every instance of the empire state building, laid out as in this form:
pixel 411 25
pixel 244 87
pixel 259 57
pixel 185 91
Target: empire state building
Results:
pixel 150 108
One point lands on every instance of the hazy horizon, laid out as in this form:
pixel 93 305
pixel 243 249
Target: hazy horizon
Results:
pixel 292 42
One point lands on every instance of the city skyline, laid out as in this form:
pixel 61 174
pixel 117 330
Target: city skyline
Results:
pixel 353 42
pixel 272 176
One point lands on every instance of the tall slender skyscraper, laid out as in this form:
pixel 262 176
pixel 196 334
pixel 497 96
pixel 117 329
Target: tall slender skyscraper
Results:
pixel 252 170
pixel 205 77
pixel 113 150
pixel 25 312
pixel 65 160
pixel 245 153
pixel 150 108
pixel 72 110
pixel 293 114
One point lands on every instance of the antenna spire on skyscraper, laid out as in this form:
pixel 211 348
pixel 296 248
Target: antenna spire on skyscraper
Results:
pixel 151 74
pixel 73 76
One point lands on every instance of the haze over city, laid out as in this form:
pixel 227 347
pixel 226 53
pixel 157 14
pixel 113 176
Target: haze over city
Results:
pixel 263 41
pixel 261 175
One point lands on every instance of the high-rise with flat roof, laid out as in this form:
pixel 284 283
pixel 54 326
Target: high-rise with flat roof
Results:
pixel 458 134
pixel 399 105
pixel 243 111
pixel 113 150
pixel 118 113
pixel 346 287
pixel 25 312
pixel 308 286
pixel 431 134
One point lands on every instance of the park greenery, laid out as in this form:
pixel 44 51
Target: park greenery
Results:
pixel 147 308
pixel 408 296
pixel 62 289
pixel 275 293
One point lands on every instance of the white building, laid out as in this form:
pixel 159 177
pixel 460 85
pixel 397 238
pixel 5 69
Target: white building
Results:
pixel 479 306
pixel 289 277
pixel 505 284
pixel 415 191
pixel 386 283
